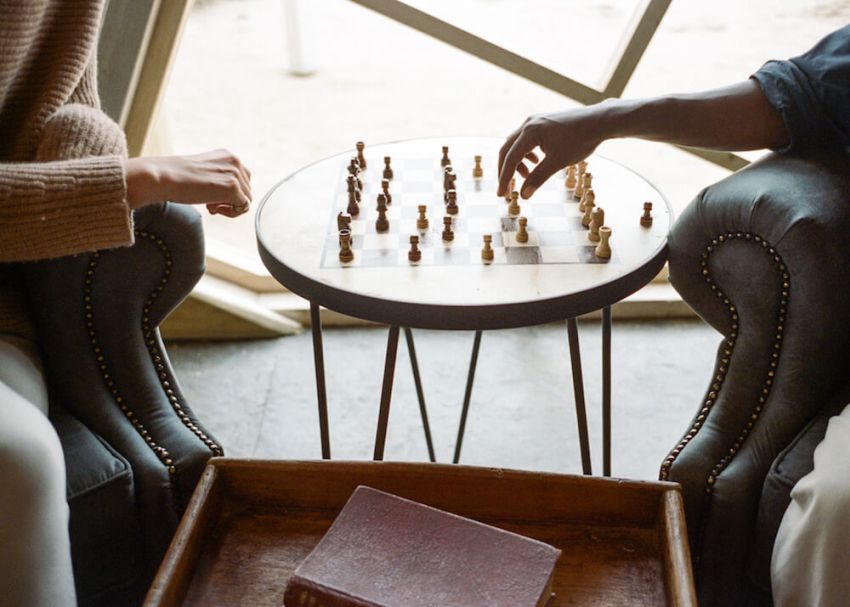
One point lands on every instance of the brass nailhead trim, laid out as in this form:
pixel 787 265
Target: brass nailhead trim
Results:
pixel 155 354
pixel 711 397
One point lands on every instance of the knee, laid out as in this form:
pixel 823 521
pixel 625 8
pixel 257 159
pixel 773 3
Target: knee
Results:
pixel 824 494
pixel 32 466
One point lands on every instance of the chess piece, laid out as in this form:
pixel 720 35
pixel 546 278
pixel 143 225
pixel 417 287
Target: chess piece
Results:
pixel 578 191
pixel 449 178
pixel 345 253
pixel 385 186
pixel 588 209
pixel 361 159
pixel 477 171
pixel 352 187
pixel 603 249
pixel 354 171
pixel 510 189
pixel 582 167
pixel 343 221
pixel 570 182
pixel 448 235
pixel 353 208
pixel 388 171
pixel 382 224
pixel 487 251
pixel 590 195
pixel 451 207
pixel 522 233
pixel 422 221
pixel 445 160
pixel 646 218
pixel 597 220
pixel 414 254
pixel 587 182
pixel 514 207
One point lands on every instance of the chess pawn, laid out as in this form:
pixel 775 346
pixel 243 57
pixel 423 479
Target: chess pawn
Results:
pixel 522 233
pixel 445 160
pixel 354 171
pixel 345 253
pixel 570 182
pixel 414 254
pixel 361 159
pixel 597 220
pixel 646 218
pixel 452 207
pixel 382 224
pixel 514 207
pixel 487 251
pixel 477 171
pixel 603 249
pixel 388 171
pixel 448 235
pixel 422 221
pixel 588 209
pixel 385 186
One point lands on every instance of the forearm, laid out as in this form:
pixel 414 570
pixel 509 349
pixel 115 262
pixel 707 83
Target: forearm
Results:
pixel 736 117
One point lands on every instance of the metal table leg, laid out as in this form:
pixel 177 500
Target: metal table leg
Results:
pixel 386 393
pixel 606 391
pixel 319 360
pixel 467 396
pixel 578 390
pixel 420 393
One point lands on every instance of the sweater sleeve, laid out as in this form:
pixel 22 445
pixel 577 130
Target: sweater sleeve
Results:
pixel 812 93
pixel 73 197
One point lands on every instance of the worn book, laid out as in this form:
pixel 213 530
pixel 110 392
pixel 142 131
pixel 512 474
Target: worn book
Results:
pixel 387 551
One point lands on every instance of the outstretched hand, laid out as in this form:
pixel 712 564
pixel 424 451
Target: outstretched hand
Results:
pixel 217 179
pixel 563 138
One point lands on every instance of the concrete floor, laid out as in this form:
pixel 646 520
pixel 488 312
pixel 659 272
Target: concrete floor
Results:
pixel 259 397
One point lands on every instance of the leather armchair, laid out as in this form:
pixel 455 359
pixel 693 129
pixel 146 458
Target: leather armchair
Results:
pixel 763 257
pixel 134 450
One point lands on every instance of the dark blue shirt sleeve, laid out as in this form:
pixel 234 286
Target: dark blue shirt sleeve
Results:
pixel 812 93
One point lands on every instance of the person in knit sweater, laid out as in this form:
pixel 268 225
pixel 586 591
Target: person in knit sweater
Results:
pixel 66 187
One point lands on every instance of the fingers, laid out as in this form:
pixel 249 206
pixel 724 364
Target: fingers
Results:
pixel 505 178
pixel 522 146
pixel 538 176
pixel 524 170
pixel 227 209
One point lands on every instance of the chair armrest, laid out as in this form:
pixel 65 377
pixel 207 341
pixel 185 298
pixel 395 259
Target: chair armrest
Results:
pixel 96 317
pixel 762 257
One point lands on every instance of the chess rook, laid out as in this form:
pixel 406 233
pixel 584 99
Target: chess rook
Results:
pixel 603 249
pixel 361 159
pixel 448 235
pixel 414 254
pixel 646 218
pixel 345 253
pixel 477 171
pixel 487 251
pixel 522 233
pixel 388 171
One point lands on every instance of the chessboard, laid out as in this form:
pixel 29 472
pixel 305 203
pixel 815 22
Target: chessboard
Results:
pixel 554 221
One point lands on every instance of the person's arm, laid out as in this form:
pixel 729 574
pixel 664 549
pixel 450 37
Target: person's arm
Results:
pixel 737 117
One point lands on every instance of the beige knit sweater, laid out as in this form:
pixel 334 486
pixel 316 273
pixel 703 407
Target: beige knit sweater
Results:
pixel 62 182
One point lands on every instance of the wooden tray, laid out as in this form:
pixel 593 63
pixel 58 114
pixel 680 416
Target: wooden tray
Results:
pixel 251 522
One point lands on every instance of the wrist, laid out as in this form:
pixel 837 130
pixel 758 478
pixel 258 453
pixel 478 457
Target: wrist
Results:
pixel 142 181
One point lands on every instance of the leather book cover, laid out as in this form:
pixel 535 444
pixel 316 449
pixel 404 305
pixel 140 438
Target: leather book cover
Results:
pixel 387 551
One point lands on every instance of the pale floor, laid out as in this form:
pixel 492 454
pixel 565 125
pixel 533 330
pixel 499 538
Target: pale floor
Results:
pixel 259 397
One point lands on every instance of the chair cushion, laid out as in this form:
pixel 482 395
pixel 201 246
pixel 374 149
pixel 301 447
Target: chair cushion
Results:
pixel 106 536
